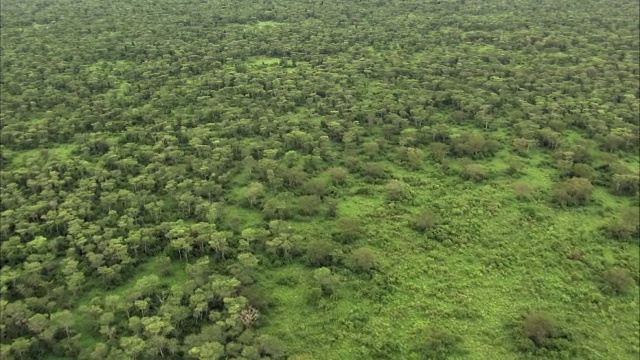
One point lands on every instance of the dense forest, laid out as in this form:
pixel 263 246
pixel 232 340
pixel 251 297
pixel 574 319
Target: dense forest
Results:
pixel 319 179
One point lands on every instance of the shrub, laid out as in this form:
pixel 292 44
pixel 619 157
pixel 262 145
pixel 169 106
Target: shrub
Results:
pixel 515 166
pixel 348 229
pixel 271 346
pixel 320 252
pixel 474 172
pixel 325 280
pixel 625 184
pixel 541 330
pixel 317 186
pixel 308 205
pixel 439 344
pixel 469 144
pixel 414 157
pixel 332 208
pixel 619 281
pixel 257 297
pixel 575 191
pixel 624 228
pixel 373 171
pixel 363 260
pixel 314 296
pixel 338 175
pixel 425 221
pixel 397 190
pixel 523 190
pixel 438 151
pixel 583 171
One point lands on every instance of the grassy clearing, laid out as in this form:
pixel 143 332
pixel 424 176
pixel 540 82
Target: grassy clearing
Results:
pixel 475 283
pixel 266 24
pixel 23 158
pixel 262 61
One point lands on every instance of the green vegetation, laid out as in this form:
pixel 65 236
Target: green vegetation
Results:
pixel 319 179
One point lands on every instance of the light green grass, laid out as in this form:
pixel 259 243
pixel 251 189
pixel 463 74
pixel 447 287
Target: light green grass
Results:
pixel 266 24
pixel 474 285
pixel 262 60
pixel 60 152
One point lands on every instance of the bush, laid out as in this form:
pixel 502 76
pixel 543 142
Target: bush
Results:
pixel 583 171
pixel 317 186
pixel 363 260
pixel 308 205
pixel 523 190
pixel 439 344
pixel 327 282
pixel 626 227
pixel 320 252
pixel 619 281
pixel 397 190
pixel 314 296
pixel 338 175
pixel 348 229
pixel 625 184
pixel 271 346
pixel 575 191
pixel 373 171
pixel 542 333
pixel 256 296
pixel 425 221
pixel 469 144
pixel 414 158
pixel 332 208
pixel 474 172
pixel 515 166
pixel 539 328
pixel 438 151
